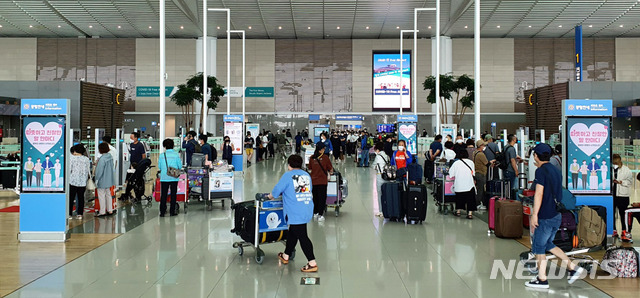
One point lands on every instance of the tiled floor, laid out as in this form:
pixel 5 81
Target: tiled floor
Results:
pixel 359 256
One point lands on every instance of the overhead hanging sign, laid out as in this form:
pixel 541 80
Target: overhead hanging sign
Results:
pixel 581 107
pixel 349 117
pixel 154 91
pixel 407 118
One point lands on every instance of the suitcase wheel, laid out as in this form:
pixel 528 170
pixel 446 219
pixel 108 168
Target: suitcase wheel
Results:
pixel 240 250
pixel 259 256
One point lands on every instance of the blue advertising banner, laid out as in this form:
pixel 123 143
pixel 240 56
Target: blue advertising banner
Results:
pixel 578 43
pixel 43 107
pixel 582 107
pixel 389 81
pixel 232 118
pixel 43 143
pixel 259 92
pixel 589 155
pixel 623 112
pixel 272 220
pixel 409 133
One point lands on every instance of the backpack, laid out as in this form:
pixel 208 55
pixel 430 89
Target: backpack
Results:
pixel 196 146
pixel 388 172
pixel 621 262
pixel 501 158
pixel 591 228
pixel 370 142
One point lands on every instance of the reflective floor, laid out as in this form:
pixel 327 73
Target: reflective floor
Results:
pixel 191 255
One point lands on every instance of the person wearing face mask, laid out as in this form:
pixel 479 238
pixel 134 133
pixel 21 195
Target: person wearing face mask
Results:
pixel 320 167
pixel 227 150
pixel 335 143
pixel 482 166
pixel 328 147
pixel 622 181
pixel 459 144
pixel 401 158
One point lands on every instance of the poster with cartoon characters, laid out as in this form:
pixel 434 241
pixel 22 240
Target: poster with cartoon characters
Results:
pixel 43 143
pixel 589 155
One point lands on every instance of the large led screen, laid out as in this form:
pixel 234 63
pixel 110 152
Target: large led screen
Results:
pixel 389 81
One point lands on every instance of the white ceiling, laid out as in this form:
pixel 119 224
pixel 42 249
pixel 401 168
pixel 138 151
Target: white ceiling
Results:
pixel 317 19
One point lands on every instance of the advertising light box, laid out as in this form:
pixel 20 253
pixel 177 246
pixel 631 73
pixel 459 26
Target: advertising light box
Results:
pixel 389 81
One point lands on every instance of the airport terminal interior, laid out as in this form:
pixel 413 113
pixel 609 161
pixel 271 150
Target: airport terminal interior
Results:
pixel 320 128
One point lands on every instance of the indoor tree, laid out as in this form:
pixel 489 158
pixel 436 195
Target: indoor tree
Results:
pixel 463 89
pixel 191 91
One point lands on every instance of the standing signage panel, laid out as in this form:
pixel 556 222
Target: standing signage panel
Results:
pixel 43 197
pixel 254 129
pixel 449 129
pixel 587 131
pixel 233 127
pixel 408 131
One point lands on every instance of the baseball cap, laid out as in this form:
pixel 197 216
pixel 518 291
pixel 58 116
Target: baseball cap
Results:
pixel 480 143
pixel 488 137
pixel 542 149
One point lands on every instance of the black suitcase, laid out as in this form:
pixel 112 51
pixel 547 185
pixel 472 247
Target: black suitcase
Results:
pixel 415 203
pixel 415 172
pixel 428 170
pixel 391 203
pixel 245 224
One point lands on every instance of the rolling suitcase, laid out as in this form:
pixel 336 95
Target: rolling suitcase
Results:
pixel 415 203
pixel 498 194
pixel 244 218
pixel 391 204
pixel 508 220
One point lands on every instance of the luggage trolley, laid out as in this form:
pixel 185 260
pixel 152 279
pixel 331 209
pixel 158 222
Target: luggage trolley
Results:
pixel 336 192
pixel 260 221
pixel 198 178
pixel 442 189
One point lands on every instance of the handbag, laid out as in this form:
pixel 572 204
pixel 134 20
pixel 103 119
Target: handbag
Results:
pixel 171 171
pixel 91 186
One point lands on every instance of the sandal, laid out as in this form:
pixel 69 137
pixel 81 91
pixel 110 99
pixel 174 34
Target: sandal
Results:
pixel 469 216
pixel 457 213
pixel 309 268
pixel 282 259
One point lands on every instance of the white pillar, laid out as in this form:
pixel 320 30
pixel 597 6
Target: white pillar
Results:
pixel 212 65
pixel 476 69
pixel 205 92
pixel 437 72
pixel 442 63
pixel 163 72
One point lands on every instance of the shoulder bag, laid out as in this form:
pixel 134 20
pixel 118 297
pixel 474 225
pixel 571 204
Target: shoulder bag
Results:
pixel 323 170
pixel 388 172
pixel 171 171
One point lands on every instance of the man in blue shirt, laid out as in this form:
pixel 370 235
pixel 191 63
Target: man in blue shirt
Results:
pixel 137 151
pixel 295 188
pixel 210 153
pixel 545 220
pixel 435 150
pixel 298 142
pixel 364 155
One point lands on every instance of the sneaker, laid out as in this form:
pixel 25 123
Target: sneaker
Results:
pixel 575 274
pixel 482 207
pixel 78 216
pixel 615 234
pixel 315 216
pixel 537 283
pixel 320 218
pixel 626 237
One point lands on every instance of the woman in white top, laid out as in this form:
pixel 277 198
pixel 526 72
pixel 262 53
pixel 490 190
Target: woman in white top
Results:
pixel 463 170
pixel 622 181
pixel 79 166
pixel 378 164
pixel 448 152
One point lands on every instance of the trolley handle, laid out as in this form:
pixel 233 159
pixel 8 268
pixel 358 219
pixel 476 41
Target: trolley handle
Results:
pixel 261 197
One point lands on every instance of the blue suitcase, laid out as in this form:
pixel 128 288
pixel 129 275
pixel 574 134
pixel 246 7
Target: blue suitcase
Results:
pixel 391 203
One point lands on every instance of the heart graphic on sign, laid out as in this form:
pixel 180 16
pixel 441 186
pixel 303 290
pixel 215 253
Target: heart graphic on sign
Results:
pixel 43 138
pixel 407 130
pixel 589 139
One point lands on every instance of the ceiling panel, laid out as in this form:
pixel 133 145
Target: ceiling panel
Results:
pixel 317 19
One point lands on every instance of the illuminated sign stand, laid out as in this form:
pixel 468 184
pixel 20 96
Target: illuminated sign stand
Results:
pixel 587 140
pixel 408 131
pixel 43 193
pixel 234 129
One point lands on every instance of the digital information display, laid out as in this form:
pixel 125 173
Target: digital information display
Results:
pixel 386 80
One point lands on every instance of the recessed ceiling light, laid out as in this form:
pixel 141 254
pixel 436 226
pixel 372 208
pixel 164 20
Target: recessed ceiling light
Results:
pixel 338 27
pixel 181 27
pixel 0 26
pixel 559 26
pixel 498 26
pixel 529 26
pixel 429 27
pixel 90 26
pixel 30 26
pixel 119 27
pixel 465 27
pixel 150 27
pixel 366 27
pixel 218 27
pixel 621 26
pixel 309 28
pixel 250 27
pixel 397 27
pixel 590 26
pixel 279 27
pixel 59 26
